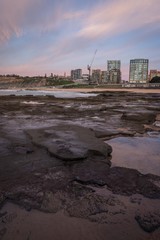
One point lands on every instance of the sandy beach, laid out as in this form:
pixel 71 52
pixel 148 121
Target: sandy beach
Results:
pixel 135 90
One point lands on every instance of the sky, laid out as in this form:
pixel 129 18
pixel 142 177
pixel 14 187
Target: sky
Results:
pixel 54 36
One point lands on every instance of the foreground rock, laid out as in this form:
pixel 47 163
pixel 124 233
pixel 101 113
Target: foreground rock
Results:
pixel 129 181
pixel 148 222
pixel 70 143
pixel 146 117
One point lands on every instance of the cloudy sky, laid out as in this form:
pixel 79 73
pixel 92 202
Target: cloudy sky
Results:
pixel 55 36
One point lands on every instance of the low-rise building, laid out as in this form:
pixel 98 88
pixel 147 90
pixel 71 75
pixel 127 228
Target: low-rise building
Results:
pixel 85 76
pixel 154 73
pixel 96 76
pixel 104 76
pixel 114 76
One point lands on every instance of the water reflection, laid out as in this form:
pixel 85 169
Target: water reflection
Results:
pixel 141 153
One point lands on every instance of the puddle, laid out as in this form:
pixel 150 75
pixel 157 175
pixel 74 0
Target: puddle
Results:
pixel 141 153
pixel 154 134
pixel 32 103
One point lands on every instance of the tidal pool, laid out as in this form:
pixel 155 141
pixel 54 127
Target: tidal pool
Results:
pixel 141 153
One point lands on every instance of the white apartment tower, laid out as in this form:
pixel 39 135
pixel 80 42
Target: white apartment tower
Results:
pixel 138 72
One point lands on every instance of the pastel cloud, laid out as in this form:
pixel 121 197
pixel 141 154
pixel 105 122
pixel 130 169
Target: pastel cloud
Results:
pixel 46 35
pixel 20 16
pixel 120 16
pixel 102 20
pixel 11 17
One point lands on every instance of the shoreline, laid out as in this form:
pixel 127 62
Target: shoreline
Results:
pixel 112 90
pixel 87 90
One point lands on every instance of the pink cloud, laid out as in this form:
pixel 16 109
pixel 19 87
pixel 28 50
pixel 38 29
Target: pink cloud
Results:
pixel 120 16
pixel 12 14
pixel 19 16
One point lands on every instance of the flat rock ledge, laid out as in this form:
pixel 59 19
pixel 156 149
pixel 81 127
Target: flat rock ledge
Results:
pixel 144 116
pixel 70 143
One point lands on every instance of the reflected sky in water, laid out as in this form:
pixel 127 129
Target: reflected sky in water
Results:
pixel 141 153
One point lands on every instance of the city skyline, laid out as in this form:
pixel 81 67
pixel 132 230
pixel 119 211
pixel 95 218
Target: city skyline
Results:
pixel 38 37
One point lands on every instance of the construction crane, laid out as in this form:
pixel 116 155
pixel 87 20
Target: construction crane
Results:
pixel 89 67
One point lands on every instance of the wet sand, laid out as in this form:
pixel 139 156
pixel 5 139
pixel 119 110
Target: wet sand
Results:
pixel 135 90
pixel 20 224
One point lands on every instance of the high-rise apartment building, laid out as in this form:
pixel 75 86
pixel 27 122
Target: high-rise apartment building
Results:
pixel 114 71
pixel 138 72
pixel 76 74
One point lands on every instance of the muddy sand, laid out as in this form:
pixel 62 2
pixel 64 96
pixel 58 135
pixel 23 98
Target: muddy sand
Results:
pixel 82 168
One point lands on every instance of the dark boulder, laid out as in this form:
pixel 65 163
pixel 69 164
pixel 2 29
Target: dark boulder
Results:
pixel 148 222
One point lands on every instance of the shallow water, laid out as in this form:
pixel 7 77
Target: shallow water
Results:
pixel 57 94
pixel 141 153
